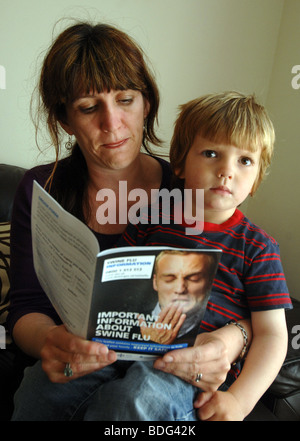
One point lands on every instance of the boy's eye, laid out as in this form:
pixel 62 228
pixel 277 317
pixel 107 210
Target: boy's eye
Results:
pixel 246 161
pixel 209 154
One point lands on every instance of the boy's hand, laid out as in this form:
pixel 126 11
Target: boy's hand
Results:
pixel 218 406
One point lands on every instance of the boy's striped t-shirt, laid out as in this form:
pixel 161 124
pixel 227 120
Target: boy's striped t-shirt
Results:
pixel 250 276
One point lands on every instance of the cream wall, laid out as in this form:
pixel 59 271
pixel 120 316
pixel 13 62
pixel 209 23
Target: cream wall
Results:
pixel 276 206
pixel 195 47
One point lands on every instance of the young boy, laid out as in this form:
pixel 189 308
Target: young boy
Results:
pixel 223 144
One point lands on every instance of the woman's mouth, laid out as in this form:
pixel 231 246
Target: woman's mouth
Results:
pixel 115 145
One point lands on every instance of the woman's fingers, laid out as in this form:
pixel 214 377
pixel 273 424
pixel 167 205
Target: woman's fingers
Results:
pixel 204 365
pixel 83 356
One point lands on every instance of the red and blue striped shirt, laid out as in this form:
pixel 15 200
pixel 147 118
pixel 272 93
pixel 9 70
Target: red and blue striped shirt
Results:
pixel 250 276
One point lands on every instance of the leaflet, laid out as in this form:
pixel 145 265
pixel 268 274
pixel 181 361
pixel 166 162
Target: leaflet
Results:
pixel 117 296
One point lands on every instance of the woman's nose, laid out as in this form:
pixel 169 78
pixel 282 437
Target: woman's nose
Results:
pixel 110 120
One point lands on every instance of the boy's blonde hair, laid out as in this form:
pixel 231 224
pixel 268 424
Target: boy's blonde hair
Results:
pixel 228 118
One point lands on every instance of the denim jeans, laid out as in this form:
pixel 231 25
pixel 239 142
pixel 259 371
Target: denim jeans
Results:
pixel 38 399
pixel 124 391
pixel 144 394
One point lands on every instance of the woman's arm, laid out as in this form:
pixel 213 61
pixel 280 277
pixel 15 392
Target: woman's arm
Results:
pixel 32 319
pixel 212 356
pixel 30 331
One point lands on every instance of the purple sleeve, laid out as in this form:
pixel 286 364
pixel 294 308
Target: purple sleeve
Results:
pixel 26 294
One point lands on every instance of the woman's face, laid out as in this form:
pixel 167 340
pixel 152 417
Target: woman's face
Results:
pixel 108 126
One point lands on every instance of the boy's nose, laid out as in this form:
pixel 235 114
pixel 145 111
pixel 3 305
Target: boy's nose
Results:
pixel 225 174
pixel 225 170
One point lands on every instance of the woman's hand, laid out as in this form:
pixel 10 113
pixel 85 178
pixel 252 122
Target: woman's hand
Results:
pixel 61 347
pixel 209 357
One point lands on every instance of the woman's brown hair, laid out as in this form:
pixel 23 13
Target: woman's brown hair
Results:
pixel 99 57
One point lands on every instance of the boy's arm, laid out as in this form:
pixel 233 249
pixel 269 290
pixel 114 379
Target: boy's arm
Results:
pixel 265 357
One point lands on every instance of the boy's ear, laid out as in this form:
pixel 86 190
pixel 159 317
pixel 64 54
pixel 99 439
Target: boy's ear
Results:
pixel 254 187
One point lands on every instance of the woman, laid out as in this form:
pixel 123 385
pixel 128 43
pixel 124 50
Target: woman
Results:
pixel 96 87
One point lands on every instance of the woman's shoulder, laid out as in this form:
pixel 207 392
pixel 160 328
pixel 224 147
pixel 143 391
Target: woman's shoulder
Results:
pixel 41 173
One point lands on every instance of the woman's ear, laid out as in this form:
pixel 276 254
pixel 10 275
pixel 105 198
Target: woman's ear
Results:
pixel 179 173
pixel 146 108
pixel 66 127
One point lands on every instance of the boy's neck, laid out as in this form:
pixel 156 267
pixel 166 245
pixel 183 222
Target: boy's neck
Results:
pixel 218 217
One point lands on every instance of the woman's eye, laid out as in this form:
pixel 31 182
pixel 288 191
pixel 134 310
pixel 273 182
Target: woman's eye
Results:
pixel 87 110
pixel 126 101
pixel 209 154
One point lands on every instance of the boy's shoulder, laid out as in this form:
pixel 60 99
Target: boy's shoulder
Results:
pixel 240 227
pixel 239 235
pixel 253 230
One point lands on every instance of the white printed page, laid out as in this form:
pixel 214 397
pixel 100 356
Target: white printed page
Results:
pixel 64 252
pixel 128 267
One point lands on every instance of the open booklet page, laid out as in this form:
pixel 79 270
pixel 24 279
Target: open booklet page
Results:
pixel 139 301
pixel 64 255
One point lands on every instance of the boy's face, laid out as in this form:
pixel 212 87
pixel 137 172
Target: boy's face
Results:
pixel 225 173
